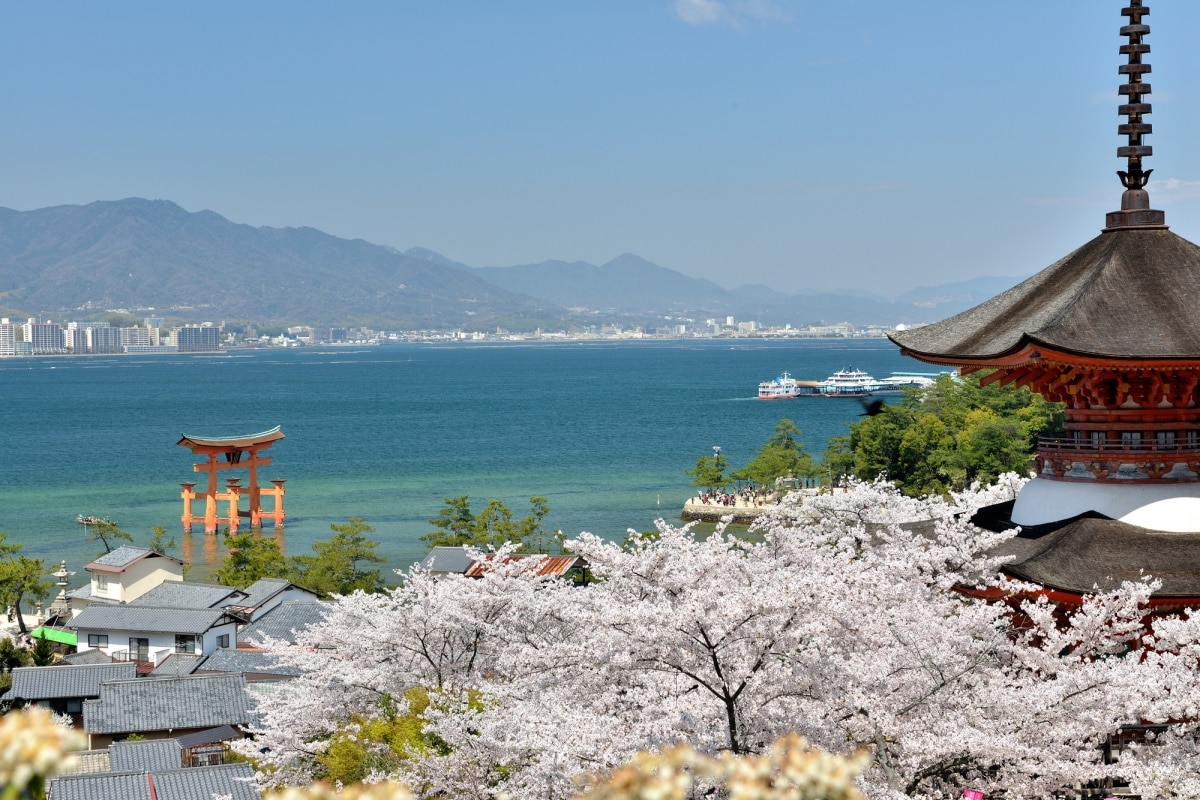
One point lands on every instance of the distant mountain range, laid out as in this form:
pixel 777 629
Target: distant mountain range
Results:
pixel 83 262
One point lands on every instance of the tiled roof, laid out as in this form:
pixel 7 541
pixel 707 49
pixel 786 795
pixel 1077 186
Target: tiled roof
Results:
pixel 195 783
pixel 267 588
pixel 545 566
pixel 1125 294
pixel 222 733
pixel 88 761
pixel 92 656
pixel 243 661
pixel 72 680
pixel 122 557
pixel 234 781
pixel 157 704
pixel 280 622
pixel 178 664
pixel 148 756
pixel 453 560
pixel 146 619
pixel 186 594
pixel 102 786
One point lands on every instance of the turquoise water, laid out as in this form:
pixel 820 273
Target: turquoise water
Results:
pixel 604 430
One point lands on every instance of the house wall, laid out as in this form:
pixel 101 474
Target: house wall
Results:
pixel 161 644
pixel 291 594
pixel 136 579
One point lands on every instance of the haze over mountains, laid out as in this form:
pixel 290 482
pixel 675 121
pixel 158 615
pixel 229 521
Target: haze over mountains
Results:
pixel 83 262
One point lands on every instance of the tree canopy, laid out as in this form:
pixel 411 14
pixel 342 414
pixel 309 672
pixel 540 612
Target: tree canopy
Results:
pixel 947 436
pixel 21 577
pixel 338 565
pixel 780 456
pixel 842 624
pixel 457 524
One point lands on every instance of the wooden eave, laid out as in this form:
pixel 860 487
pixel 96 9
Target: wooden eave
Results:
pixel 231 442
pixel 1029 350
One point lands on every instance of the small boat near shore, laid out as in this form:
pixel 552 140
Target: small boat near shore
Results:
pixel 91 520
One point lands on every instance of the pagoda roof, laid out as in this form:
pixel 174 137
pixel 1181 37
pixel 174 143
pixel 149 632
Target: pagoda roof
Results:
pixel 1091 553
pixel 1128 294
pixel 232 442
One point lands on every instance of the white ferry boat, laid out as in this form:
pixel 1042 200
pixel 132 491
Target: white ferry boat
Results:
pixel 782 387
pixel 849 382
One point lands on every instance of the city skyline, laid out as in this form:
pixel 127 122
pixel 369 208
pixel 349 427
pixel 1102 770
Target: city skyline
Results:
pixel 852 145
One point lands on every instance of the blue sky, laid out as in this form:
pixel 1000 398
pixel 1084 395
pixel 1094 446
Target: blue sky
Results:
pixel 803 144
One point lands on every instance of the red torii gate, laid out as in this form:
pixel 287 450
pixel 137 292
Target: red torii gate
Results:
pixel 237 452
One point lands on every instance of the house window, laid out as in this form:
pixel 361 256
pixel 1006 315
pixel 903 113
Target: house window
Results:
pixel 101 582
pixel 185 643
pixel 223 640
pixel 74 706
pixel 97 640
pixel 139 648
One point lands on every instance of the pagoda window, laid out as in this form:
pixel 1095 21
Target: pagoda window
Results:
pixel 1098 438
pixel 1166 440
pixel 1131 439
pixel 1193 438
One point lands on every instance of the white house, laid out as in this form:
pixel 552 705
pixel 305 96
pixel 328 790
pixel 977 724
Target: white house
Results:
pixel 149 634
pixel 123 575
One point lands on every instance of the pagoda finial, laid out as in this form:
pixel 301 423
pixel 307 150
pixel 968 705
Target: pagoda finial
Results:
pixel 1135 201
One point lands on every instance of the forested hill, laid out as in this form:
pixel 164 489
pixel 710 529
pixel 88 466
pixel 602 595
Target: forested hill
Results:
pixel 139 254
pixel 82 262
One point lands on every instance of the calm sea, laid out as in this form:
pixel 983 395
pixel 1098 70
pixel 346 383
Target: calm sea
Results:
pixel 604 430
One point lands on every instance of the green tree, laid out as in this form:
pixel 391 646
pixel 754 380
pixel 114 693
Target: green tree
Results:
pixel 12 656
pixel 21 577
pixel 379 744
pixel 160 540
pixel 338 564
pixel 494 526
pixel 43 652
pixel 107 533
pixel 709 472
pixel 947 436
pixel 781 455
pixel 250 557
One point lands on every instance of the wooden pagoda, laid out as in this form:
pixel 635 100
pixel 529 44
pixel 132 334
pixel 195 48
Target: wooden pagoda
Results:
pixel 232 453
pixel 1112 331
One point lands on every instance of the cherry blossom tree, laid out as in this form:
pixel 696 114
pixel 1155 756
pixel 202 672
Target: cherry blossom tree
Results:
pixel 843 620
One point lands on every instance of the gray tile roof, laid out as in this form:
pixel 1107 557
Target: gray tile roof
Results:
pixel 185 594
pixel 178 664
pixel 223 733
pixel 89 761
pixel 159 704
pixel 452 560
pixel 121 557
pixel 243 661
pixel 148 756
pixel 280 622
pixel 102 786
pixel 203 783
pixel 1125 294
pixel 263 590
pixel 88 657
pixel 194 783
pixel 71 680
pixel 146 619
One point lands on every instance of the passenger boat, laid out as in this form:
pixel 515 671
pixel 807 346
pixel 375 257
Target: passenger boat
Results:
pixel 90 520
pixel 781 387
pixel 849 382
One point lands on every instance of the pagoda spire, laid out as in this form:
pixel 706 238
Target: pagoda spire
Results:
pixel 1135 201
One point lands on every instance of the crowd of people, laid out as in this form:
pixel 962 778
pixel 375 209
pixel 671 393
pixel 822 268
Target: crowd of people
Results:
pixel 748 495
